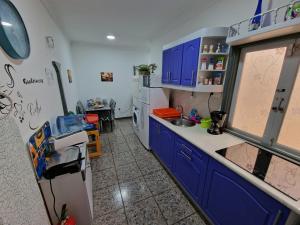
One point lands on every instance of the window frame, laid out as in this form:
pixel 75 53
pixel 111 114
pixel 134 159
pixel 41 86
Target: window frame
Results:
pixel 230 91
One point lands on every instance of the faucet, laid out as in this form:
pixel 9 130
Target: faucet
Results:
pixel 181 111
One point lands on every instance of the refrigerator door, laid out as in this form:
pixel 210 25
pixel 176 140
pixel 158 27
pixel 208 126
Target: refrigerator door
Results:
pixel 144 127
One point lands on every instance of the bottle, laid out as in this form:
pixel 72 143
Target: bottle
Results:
pixel 255 22
pixel 267 19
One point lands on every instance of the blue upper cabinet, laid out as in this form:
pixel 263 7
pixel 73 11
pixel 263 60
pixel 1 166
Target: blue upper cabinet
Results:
pixel 166 69
pixel 190 63
pixel 230 200
pixel 176 64
pixel 189 168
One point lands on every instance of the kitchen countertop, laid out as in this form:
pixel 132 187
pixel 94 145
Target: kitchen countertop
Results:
pixel 211 143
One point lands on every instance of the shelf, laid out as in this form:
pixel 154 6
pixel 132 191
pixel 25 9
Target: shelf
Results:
pixel 214 54
pixel 198 88
pixel 92 143
pixel 212 70
pixel 240 34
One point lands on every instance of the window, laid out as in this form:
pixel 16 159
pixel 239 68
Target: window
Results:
pixel 256 89
pixel 289 133
pixel 265 106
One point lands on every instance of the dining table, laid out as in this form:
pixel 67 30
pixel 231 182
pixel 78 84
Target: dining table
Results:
pixel 103 111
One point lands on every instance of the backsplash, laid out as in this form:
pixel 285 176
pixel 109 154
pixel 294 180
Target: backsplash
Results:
pixel 197 100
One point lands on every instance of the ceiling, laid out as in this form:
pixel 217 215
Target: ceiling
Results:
pixel 134 22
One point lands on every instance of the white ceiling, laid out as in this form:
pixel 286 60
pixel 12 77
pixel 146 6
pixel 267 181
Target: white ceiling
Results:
pixel 134 22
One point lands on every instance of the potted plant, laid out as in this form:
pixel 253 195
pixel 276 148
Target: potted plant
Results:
pixel 146 69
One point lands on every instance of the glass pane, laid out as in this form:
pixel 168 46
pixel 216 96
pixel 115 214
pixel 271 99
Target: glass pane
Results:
pixel 258 82
pixel 289 133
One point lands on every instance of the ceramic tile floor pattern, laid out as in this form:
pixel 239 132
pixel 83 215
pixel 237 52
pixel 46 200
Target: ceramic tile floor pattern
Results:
pixel 130 187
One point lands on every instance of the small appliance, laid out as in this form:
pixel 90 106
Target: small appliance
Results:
pixel 218 118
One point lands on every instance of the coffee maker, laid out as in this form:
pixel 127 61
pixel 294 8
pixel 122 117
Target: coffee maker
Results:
pixel 218 119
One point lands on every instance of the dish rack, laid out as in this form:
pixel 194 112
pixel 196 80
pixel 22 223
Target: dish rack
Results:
pixel 271 23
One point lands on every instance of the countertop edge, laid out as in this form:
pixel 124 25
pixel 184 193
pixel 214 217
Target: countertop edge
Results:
pixel 285 200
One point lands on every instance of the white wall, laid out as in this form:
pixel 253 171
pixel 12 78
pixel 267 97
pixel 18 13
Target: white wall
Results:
pixel 39 25
pixel 221 13
pixel 22 203
pixel 91 59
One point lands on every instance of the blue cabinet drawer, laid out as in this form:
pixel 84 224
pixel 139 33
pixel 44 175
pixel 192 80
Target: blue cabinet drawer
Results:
pixel 231 200
pixel 190 168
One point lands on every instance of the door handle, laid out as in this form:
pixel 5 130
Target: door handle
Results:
pixel 186 156
pixel 280 90
pixel 279 107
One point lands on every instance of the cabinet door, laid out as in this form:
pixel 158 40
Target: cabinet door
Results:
pixel 166 152
pixel 154 135
pixel 166 67
pixel 231 200
pixel 190 166
pixel 176 64
pixel 190 63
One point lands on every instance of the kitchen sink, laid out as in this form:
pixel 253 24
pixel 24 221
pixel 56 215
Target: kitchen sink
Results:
pixel 183 122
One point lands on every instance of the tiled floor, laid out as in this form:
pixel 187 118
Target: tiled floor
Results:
pixel 131 187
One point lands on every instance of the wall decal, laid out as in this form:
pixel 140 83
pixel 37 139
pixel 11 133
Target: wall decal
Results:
pixel 6 105
pixel 34 109
pixel 107 76
pixel 8 69
pixel 12 100
pixel 49 76
pixel 19 113
pixel 33 81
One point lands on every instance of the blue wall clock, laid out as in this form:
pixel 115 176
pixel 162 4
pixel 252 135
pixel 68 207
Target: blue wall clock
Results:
pixel 13 34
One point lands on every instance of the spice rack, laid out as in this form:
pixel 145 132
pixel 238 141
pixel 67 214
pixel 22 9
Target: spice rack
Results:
pixel 213 59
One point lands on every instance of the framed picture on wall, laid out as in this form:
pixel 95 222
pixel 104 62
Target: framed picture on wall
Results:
pixel 107 76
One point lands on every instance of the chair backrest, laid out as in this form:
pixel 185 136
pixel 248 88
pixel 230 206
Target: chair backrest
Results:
pixel 80 108
pixel 112 104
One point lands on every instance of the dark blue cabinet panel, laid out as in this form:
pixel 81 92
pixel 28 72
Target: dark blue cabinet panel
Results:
pixel 166 66
pixel 162 142
pixel 190 168
pixel 166 151
pixel 231 200
pixel 176 64
pixel 154 134
pixel 190 63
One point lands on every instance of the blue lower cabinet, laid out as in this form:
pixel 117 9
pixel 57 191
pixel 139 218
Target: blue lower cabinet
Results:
pixel 189 168
pixel 154 129
pixel 162 142
pixel 231 200
pixel 166 147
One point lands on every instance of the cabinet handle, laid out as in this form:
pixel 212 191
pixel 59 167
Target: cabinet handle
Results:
pixel 186 148
pixel 169 76
pixel 277 217
pixel 186 156
pixel 192 80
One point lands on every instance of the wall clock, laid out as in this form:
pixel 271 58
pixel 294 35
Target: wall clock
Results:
pixel 13 34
